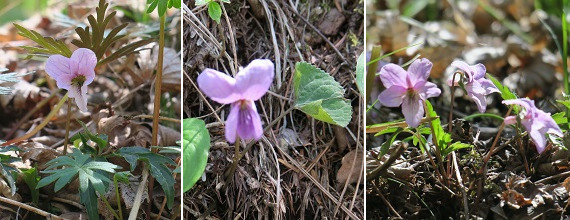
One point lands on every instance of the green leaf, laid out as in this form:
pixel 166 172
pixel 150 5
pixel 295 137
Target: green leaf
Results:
pixel 122 177
pixel 411 8
pixel 202 2
pixel 31 178
pixel 506 93
pixel 360 72
pixel 215 11
pixel 455 146
pixel 89 199
pixel 96 38
pixel 565 103
pixel 47 45
pixel 175 3
pixel 91 179
pixel 157 166
pixel 195 148
pixel 443 138
pixel 386 145
pixel 320 96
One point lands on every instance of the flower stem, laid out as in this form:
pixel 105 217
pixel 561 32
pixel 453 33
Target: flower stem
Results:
pixel 158 83
pixel 109 206
pixel 41 125
pixel 449 127
pixel 66 140
pixel 118 196
pixel 157 96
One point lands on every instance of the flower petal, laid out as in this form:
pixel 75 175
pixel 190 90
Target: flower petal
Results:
pixel 526 103
pixel 218 86
pixel 393 75
pixel 509 120
pixel 80 96
pixel 474 87
pixel 538 136
pixel 255 79
pixel 249 123
pixel 465 67
pixel 479 71
pixel 58 67
pixel 429 90
pixel 480 101
pixel 420 69
pixel 392 97
pixel 232 123
pixel 83 63
pixel 413 110
pixel 488 86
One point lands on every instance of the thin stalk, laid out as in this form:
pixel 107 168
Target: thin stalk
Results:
pixel 109 206
pixel 372 68
pixel 157 96
pixel 66 140
pixel 41 125
pixel 565 55
pixel 118 197
pixel 488 156
pixel 158 82
pixel 449 127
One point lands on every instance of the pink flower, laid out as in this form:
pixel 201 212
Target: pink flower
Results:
pixel 408 88
pixel 250 84
pixel 476 85
pixel 537 122
pixel 74 74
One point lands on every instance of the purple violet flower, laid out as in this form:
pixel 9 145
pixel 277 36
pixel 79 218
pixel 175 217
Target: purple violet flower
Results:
pixel 74 74
pixel 537 122
pixel 250 84
pixel 476 85
pixel 408 88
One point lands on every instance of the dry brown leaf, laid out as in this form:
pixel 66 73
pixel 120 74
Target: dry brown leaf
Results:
pixel 351 166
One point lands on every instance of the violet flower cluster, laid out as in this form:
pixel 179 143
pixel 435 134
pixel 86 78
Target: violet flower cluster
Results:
pixel 249 85
pixel 475 83
pixel 537 122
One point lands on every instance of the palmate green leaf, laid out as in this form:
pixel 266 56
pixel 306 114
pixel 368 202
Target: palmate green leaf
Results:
pixel 195 149
pixel 89 172
pixel 7 170
pixel 320 96
pixel 360 72
pixel 215 11
pixel 158 166
pixel 506 93
pixel 94 38
pixel 47 45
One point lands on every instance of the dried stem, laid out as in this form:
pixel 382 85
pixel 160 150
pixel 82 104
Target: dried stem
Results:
pixel 66 140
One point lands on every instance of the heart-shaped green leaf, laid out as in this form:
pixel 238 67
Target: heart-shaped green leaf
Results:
pixel 195 148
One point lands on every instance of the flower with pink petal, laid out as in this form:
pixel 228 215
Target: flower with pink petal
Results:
pixel 408 88
pixel 476 85
pixel 74 74
pixel 249 85
pixel 537 122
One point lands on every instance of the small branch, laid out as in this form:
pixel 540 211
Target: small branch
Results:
pixel 30 208
pixel 162 118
